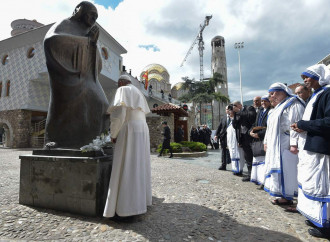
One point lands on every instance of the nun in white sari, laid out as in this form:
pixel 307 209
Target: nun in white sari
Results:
pixel 236 152
pixel 281 144
pixel 314 168
pixel 130 183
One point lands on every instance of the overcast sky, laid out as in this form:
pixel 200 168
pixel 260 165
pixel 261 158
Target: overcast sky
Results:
pixel 282 37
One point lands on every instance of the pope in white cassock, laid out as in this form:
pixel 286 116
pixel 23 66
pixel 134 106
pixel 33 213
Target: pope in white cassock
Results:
pixel 130 183
pixel 314 153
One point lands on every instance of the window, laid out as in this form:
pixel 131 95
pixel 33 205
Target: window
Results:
pixel 5 59
pixel 105 53
pixel 8 88
pixel 0 88
pixel 30 52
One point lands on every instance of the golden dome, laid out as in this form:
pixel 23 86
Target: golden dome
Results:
pixel 178 86
pixel 155 76
pixel 156 71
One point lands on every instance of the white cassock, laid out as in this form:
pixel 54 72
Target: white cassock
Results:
pixel 313 179
pixel 258 170
pixel 280 163
pixel 130 183
pixel 236 153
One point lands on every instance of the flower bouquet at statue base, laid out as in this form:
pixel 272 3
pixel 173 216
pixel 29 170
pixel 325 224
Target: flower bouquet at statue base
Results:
pixel 101 143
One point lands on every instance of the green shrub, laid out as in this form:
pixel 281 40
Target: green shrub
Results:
pixel 194 146
pixel 176 148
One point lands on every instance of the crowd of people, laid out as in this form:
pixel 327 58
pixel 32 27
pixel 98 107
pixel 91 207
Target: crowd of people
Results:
pixel 284 140
pixel 202 134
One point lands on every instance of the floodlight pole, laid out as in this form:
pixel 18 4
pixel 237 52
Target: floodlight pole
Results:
pixel 238 46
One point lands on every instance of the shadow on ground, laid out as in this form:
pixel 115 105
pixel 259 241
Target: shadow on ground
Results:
pixel 180 221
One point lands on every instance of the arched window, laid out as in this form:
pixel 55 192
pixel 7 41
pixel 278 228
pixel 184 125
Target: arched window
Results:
pixel 5 59
pixel 30 53
pixel 8 88
pixel 0 88
pixel 105 53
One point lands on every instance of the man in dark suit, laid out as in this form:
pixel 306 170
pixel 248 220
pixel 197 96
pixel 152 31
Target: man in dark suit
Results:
pixel 179 134
pixel 257 103
pixel 221 134
pixel 207 136
pixel 167 139
pixel 243 120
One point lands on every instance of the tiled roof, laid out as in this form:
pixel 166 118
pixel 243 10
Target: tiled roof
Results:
pixel 170 108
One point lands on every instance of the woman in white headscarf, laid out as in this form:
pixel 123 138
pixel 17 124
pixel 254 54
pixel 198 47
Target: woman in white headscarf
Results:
pixel 281 145
pixel 314 153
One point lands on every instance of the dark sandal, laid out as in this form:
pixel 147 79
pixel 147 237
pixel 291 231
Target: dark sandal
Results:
pixel 291 210
pixel 277 202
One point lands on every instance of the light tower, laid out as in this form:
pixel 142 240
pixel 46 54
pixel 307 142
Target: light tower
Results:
pixel 238 46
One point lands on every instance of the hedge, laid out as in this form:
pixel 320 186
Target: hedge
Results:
pixel 177 147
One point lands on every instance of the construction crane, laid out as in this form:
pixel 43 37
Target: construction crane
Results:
pixel 200 46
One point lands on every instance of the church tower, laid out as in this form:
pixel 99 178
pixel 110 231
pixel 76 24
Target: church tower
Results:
pixel 219 65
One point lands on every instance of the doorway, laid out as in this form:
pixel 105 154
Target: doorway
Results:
pixel 184 125
pixel 5 135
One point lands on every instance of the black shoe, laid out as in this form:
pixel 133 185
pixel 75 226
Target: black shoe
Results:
pixel 246 179
pixel 170 156
pixel 309 223
pixel 222 168
pixel 261 187
pixel 238 174
pixel 158 155
pixel 319 233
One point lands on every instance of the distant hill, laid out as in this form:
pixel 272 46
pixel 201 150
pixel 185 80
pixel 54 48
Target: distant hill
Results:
pixel 248 102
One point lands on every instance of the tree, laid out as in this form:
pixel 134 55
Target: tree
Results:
pixel 215 81
pixel 203 92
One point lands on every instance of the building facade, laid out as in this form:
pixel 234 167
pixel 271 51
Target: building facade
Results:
pixel 325 61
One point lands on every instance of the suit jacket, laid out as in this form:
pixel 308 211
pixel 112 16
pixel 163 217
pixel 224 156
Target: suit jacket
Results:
pixel 221 131
pixel 243 121
pixel 167 133
pixel 318 127
pixel 179 135
pixel 261 120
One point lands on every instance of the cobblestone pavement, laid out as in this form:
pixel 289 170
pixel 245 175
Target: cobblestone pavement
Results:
pixel 192 201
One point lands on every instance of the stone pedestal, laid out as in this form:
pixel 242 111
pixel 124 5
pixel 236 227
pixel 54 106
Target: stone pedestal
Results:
pixel 65 183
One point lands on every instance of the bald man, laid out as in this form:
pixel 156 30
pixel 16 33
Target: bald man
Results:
pixel 303 92
pixel 257 103
pixel 244 118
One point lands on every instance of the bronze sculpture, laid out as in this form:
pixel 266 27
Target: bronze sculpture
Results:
pixel 77 108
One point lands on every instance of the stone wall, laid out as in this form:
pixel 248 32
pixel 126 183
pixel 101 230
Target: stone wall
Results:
pixel 155 129
pixel 19 124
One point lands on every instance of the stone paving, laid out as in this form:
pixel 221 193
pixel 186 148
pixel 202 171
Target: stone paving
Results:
pixel 192 201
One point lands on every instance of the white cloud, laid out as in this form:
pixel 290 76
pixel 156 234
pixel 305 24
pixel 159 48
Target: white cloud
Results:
pixel 282 37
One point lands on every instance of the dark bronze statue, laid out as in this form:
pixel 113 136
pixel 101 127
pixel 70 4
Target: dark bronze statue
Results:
pixel 78 105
